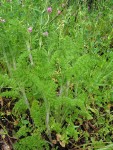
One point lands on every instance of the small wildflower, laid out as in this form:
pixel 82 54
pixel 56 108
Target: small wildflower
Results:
pixel 30 29
pixel 59 12
pixel 63 5
pixel 45 33
pixel 2 20
pixel 49 9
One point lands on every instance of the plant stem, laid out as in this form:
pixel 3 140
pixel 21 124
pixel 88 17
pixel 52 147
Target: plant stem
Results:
pixel 25 98
pixel 29 51
pixel 60 91
pixel 47 120
pixel 7 63
pixel 67 87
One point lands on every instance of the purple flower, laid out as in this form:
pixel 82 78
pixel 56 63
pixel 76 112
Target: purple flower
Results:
pixel 59 12
pixel 45 33
pixel 30 29
pixel 49 9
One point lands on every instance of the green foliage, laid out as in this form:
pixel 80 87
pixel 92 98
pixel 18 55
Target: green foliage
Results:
pixel 31 142
pixel 38 116
pixel 59 75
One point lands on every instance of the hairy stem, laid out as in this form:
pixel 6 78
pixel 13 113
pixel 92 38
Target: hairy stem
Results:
pixel 7 63
pixel 29 51
pixel 47 119
pixel 25 98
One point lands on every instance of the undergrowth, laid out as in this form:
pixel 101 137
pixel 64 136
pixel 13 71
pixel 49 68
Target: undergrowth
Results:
pixel 56 74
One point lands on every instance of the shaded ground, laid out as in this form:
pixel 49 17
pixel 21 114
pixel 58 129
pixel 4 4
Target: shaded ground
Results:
pixel 8 125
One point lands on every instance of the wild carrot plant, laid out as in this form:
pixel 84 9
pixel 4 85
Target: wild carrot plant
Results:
pixel 56 74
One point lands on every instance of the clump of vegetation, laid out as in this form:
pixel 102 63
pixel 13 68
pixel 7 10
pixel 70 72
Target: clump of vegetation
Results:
pixel 56 75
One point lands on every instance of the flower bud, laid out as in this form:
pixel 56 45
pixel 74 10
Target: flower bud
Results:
pixel 59 12
pixel 63 5
pixel 30 29
pixel 45 33
pixel 49 9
